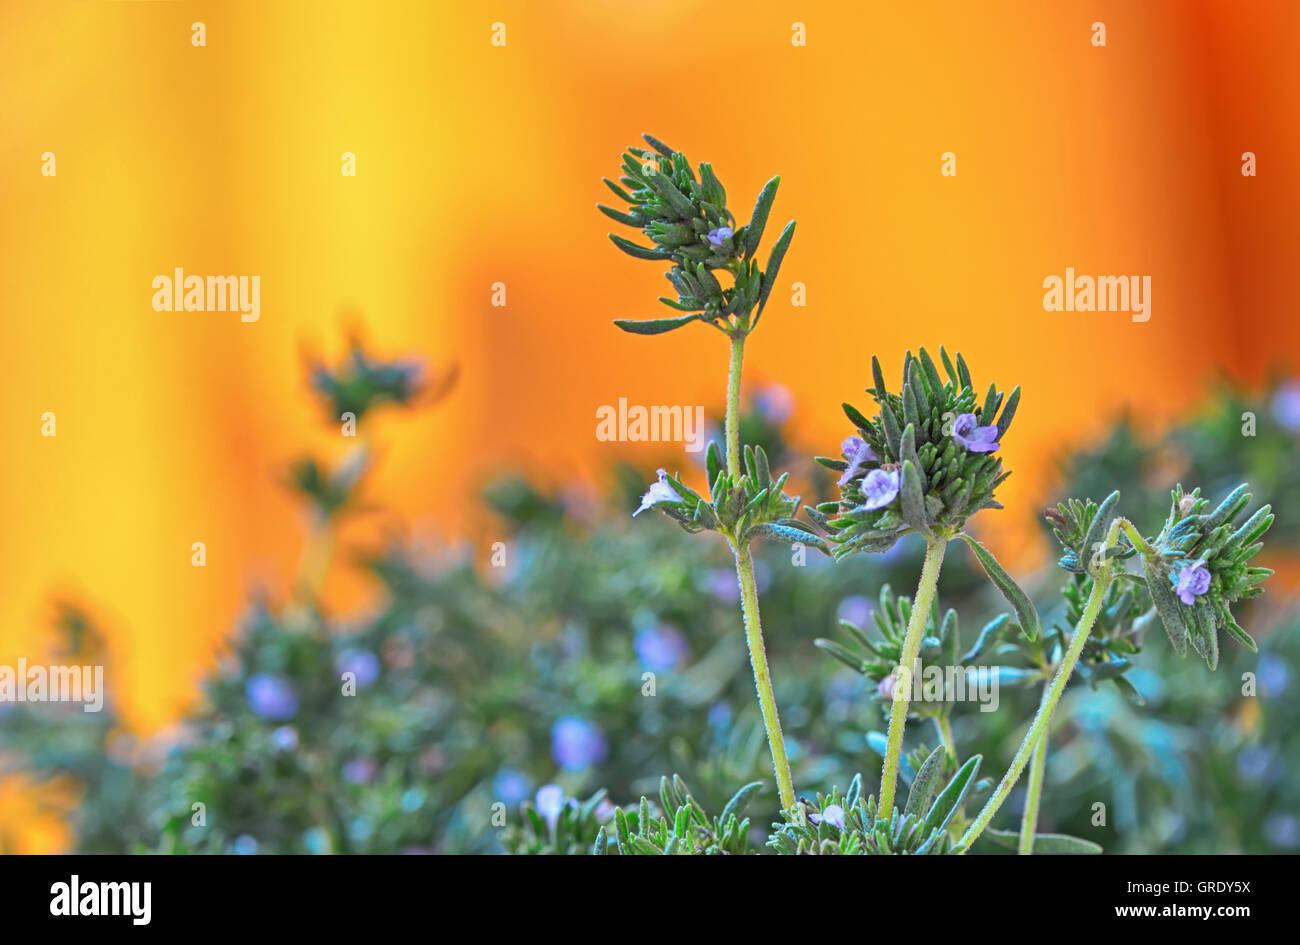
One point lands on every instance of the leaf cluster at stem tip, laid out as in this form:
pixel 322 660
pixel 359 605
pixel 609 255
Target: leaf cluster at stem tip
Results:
pixel 684 215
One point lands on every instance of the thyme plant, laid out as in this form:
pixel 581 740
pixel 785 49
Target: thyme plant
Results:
pixel 926 462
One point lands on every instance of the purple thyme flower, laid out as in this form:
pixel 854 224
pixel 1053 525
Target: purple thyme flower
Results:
pixel 1286 406
pixel 285 738
pixel 880 486
pixel 967 431
pixel 833 815
pixel 719 236
pixel 577 744
pixel 510 786
pixel 775 403
pixel 1193 581
pixel 359 771
pixel 550 801
pixel 661 648
pixel 856 609
pixel 886 687
pixel 363 664
pixel 659 491
pixel 857 452
pixel 271 697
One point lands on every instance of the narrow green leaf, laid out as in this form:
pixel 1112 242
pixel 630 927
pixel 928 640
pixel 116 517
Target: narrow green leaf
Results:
pixel 639 252
pixel 653 326
pixel 757 222
pixel 774 265
pixel 918 800
pixel 1026 613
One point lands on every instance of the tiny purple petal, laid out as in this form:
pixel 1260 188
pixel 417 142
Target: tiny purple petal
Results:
pixel 576 744
pixel 967 431
pixel 271 697
pixel 1286 406
pixel 660 491
pixel 719 236
pixel 1193 581
pixel 834 815
pixel 550 801
pixel 856 451
pixel 662 648
pixel 886 687
pixel 880 486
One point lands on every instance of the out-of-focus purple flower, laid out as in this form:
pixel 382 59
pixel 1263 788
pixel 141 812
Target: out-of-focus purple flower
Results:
pixel 577 744
pixel 359 771
pixel 549 802
pixel 510 786
pixel 1286 406
pixel 1193 581
pixel 271 697
pixel 857 451
pixel 833 815
pixel 245 845
pixel 285 738
pixel 721 584
pixel 775 403
pixel 363 664
pixel 661 648
pixel 317 841
pixel 967 431
pixel 1273 675
pixel 659 491
pixel 856 609
pixel 880 486
pixel 719 236
pixel 605 809
pixel 886 687
pixel 1283 831
pixel 1254 762
pixel 719 715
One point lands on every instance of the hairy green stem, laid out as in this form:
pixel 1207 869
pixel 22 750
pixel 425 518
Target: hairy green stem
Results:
pixel 749 593
pixel 1043 718
pixel 733 406
pixel 1034 789
pixel 762 678
pixel 902 696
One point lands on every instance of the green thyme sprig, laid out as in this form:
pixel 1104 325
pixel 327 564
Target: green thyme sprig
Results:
pixel 925 462
pixel 686 219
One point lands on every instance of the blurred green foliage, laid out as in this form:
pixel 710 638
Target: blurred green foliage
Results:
pixel 421 726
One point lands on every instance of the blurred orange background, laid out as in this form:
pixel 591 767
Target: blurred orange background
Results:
pixel 479 164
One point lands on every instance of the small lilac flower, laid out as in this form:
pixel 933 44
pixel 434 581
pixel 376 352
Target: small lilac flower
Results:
pixel 285 738
pixel 605 809
pixel 857 452
pixel 880 486
pixel 719 715
pixel 833 815
pixel 1283 831
pixel 549 802
pixel 721 585
pixel 510 786
pixel 886 687
pixel 719 236
pixel 967 431
pixel 271 697
pixel 660 491
pixel 577 744
pixel 363 664
pixel 661 648
pixel 775 403
pixel 359 771
pixel 856 609
pixel 245 845
pixel 1193 581
pixel 1286 406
